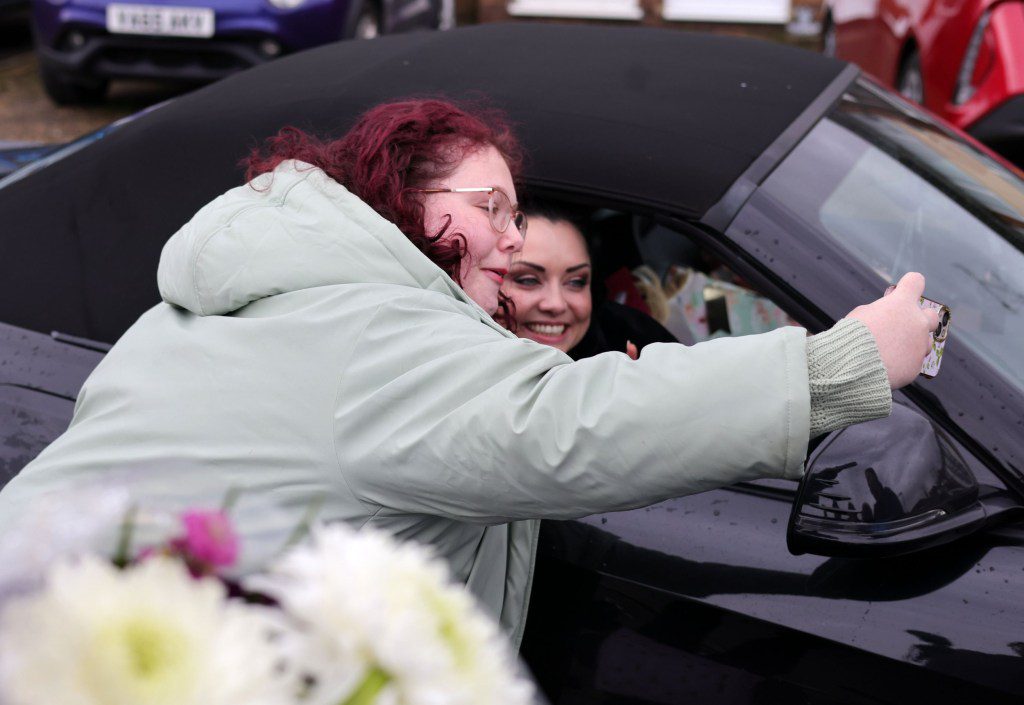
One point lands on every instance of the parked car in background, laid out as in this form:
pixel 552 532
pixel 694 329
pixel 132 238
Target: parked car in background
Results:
pixel 786 180
pixel 964 61
pixel 82 44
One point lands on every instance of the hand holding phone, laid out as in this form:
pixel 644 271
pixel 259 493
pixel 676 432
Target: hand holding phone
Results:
pixel 933 360
pixel 902 330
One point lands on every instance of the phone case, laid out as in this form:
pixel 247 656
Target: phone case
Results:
pixel 931 364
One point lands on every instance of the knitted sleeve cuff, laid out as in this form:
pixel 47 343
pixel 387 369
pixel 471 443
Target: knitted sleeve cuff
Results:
pixel 847 379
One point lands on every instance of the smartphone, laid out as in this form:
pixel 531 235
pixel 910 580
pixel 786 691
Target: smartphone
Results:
pixel 931 364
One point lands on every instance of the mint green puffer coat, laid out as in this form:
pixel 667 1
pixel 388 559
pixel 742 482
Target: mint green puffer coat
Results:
pixel 306 349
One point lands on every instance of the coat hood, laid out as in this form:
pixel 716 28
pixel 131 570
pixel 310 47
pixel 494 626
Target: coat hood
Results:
pixel 290 229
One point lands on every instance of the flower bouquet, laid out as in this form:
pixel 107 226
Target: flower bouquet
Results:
pixel 341 618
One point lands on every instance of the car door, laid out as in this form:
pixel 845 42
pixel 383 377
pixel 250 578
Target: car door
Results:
pixel 698 599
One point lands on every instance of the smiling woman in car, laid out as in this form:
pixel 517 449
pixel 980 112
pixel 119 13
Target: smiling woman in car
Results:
pixel 551 285
pixel 327 337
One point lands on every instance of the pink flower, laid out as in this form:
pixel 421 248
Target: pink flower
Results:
pixel 209 539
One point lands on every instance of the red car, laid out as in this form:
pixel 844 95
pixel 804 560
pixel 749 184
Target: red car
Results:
pixel 962 59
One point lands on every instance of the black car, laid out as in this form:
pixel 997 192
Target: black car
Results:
pixel 893 573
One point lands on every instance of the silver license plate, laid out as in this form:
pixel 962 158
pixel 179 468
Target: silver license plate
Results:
pixel 160 20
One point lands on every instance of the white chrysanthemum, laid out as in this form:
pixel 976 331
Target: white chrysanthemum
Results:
pixel 385 615
pixel 150 635
pixel 54 526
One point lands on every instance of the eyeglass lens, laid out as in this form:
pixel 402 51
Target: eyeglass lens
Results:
pixel 500 209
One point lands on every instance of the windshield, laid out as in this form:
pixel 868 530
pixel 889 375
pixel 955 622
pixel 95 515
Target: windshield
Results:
pixel 902 193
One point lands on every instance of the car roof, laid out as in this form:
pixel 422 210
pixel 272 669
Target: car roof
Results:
pixel 667 119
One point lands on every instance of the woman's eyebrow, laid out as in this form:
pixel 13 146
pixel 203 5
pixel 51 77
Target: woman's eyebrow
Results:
pixel 531 265
pixel 540 268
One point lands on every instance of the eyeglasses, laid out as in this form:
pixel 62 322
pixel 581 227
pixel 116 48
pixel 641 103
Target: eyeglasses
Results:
pixel 500 208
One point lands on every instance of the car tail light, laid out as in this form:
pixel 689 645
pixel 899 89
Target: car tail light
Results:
pixel 978 61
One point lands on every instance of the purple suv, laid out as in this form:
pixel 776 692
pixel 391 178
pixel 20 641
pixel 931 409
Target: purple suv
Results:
pixel 82 44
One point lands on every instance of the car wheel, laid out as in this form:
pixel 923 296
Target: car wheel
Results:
pixel 828 37
pixel 910 83
pixel 367 24
pixel 67 89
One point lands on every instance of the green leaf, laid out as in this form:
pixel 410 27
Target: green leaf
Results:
pixel 368 690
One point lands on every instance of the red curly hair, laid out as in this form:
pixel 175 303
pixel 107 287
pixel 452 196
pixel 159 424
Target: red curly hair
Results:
pixel 393 149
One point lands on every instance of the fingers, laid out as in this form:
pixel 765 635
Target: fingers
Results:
pixel 901 328
pixel 631 350
pixel 911 286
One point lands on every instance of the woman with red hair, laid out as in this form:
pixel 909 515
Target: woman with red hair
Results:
pixel 327 339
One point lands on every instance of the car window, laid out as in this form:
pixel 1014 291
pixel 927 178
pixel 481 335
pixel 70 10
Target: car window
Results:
pixel 660 270
pixel 931 209
pixel 697 296
pixel 663 272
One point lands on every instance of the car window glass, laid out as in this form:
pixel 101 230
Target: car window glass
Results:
pixel 896 220
pixel 698 296
pixel 912 136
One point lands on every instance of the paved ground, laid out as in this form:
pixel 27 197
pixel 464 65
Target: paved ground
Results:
pixel 27 115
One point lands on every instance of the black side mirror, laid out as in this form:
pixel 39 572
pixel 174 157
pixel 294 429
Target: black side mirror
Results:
pixel 889 487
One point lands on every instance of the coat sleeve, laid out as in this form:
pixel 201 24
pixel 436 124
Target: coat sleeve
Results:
pixel 440 414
